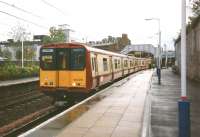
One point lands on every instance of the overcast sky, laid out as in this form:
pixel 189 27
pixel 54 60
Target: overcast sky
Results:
pixel 96 19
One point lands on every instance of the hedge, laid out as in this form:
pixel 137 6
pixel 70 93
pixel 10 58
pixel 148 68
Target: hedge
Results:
pixel 10 71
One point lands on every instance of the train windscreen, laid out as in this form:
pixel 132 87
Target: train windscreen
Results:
pixel 77 58
pixel 62 58
pixel 47 59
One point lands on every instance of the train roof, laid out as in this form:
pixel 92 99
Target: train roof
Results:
pixel 91 49
pixel 103 51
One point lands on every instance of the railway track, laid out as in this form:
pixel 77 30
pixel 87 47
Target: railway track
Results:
pixel 9 102
pixel 28 110
pixel 21 113
pixel 21 125
pixel 20 104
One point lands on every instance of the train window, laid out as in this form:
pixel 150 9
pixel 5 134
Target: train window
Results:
pixel 77 59
pixel 118 63
pixel 125 63
pixel 115 61
pixel 105 64
pixel 47 59
pixel 136 63
pixel 92 63
pixel 62 58
pixel 95 63
pixel 131 64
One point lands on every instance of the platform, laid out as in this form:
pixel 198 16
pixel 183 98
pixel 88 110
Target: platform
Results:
pixel 164 105
pixel 117 115
pixel 18 81
pixel 116 111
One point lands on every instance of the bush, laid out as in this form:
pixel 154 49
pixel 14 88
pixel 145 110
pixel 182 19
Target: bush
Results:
pixel 10 71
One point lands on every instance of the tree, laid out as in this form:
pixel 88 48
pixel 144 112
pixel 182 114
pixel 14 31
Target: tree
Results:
pixel 196 7
pixel 1 52
pixel 18 54
pixel 19 32
pixel 56 36
pixel 30 52
pixel 196 11
pixel 7 54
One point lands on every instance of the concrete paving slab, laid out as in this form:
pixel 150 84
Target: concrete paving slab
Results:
pixel 164 107
pixel 119 114
pixel 101 130
pixel 126 132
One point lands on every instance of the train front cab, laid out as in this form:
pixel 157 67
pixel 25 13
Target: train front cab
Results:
pixel 63 69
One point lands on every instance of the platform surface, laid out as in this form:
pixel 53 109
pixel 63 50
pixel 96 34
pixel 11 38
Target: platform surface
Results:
pixel 18 81
pixel 117 115
pixel 164 105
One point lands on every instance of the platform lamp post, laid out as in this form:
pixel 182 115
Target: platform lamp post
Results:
pixel 166 55
pixel 22 55
pixel 158 50
pixel 23 49
pixel 183 103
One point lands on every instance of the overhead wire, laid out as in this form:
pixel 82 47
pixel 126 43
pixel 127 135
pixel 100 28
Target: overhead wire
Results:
pixel 25 20
pixel 20 9
pixel 4 24
pixel 28 12
pixel 51 5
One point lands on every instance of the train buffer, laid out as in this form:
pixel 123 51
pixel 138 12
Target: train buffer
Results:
pixel 116 111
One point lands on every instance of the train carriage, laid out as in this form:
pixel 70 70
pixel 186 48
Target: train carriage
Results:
pixel 71 68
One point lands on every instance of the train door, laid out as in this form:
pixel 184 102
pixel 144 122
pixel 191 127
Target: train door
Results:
pixel 122 66
pixel 94 70
pixel 94 65
pixel 63 64
pixel 111 67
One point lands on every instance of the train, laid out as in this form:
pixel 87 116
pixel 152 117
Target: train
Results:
pixel 75 69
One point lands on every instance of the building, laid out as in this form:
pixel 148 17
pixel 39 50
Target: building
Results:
pixel 12 50
pixel 115 44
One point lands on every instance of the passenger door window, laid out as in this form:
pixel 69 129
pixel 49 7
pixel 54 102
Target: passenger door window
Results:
pixel 115 61
pixel 105 64
pixel 95 64
pixel 63 58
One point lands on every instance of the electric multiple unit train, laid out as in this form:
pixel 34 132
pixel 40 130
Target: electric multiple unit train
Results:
pixel 74 68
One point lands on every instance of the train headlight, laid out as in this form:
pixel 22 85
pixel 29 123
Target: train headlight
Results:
pixel 73 84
